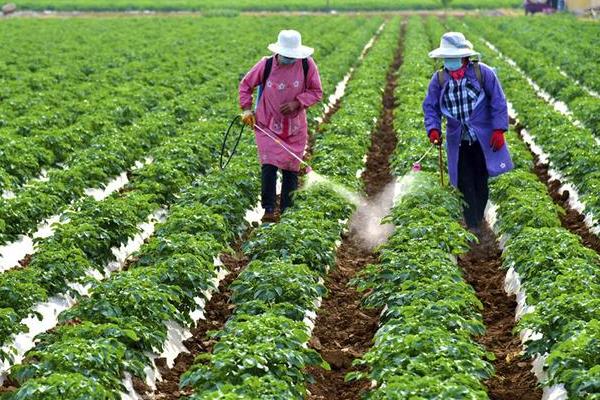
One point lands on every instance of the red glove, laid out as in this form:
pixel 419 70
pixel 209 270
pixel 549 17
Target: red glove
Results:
pixel 497 141
pixel 435 137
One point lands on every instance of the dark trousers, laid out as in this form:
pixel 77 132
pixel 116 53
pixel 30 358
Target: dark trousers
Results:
pixel 473 182
pixel 269 187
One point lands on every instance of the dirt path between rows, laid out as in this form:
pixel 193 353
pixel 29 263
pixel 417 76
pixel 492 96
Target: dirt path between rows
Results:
pixel 483 270
pixel 343 331
pixel 216 312
pixel 572 220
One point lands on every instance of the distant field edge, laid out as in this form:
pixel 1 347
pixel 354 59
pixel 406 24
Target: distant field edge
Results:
pixel 50 13
pixel 216 7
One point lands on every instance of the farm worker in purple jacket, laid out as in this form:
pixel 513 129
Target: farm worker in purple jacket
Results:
pixel 469 95
pixel 292 85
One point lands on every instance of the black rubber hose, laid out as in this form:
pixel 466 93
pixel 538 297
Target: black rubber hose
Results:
pixel 235 146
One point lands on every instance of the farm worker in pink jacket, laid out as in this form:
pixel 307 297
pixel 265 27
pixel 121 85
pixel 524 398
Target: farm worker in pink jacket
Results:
pixel 468 93
pixel 288 84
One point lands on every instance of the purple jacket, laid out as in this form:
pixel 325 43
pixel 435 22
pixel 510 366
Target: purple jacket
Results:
pixel 490 113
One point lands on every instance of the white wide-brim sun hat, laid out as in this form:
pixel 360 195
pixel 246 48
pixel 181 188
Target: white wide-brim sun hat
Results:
pixel 453 45
pixel 289 44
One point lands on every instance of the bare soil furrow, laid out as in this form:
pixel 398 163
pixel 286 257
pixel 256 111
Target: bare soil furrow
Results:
pixel 343 330
pixel 483 270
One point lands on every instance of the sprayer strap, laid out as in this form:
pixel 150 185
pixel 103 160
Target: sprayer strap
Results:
pixel 478 73
pixel 267 71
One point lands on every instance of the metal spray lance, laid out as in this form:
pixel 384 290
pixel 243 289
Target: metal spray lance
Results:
pixel 280 143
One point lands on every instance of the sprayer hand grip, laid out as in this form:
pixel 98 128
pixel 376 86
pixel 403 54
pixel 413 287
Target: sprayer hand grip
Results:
pixel 248 118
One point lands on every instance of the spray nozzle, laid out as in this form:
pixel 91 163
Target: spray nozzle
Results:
pixel 308 169
pixel 416 167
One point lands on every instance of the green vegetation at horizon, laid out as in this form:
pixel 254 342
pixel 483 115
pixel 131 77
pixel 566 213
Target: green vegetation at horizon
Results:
pixel 256 5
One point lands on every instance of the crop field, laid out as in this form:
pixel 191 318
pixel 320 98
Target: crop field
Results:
pixel 133 267
pixel 256 5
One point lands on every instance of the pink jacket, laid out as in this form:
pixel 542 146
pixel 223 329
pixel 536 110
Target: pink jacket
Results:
pixel 285 83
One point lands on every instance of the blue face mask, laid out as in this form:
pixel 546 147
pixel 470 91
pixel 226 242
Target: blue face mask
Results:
pixel 452 64
pixel 286 60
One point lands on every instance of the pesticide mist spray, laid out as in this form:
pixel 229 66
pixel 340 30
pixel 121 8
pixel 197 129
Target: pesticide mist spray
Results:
pixel 365 223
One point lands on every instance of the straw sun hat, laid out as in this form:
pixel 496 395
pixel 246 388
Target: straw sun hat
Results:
pixel 453 45
pixel 289 44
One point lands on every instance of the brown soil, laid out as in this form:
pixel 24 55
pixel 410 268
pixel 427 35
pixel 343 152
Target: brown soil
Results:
pixel 216 313
pixel 572 220
pixel 378 171
pixel 9 385
pixel 343 331
pixel 6 388
pixel 483 270
pixel 327 117
pixel 25 261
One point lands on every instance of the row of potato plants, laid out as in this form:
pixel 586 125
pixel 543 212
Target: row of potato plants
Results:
pixel 93 227
pixel 61 96
pixel 571 150
pixel 341 55
pixel 557 279
pixel 541 68
pixel 122 323
pixel 262 351
pixel 569 47
pixel 556 286
pixel 85 242
pixel 424 347
pixel 47 81
pixel 111 154
pixel 93 166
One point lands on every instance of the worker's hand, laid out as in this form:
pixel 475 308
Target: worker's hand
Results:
pixel 248 118
pixel 289 108
pixel 435 137
pixel 497 141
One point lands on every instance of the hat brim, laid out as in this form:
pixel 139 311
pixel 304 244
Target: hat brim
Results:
pixel 300 52
pixel 452 53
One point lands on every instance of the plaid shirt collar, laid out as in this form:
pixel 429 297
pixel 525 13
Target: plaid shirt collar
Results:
pixel 460 99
